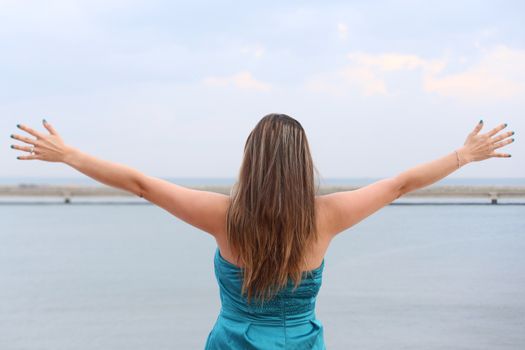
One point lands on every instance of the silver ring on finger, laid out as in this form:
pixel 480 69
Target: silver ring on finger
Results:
pixel 32 150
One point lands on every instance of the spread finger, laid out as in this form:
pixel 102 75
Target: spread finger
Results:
pixel 30 130
pixel 23 138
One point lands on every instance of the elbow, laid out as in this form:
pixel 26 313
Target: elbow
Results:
pixel 138 186
pixel 138 191
pixel 400 185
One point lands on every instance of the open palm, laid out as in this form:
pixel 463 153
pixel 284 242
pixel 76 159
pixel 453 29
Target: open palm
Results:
pixel 45 146
pixel 481 146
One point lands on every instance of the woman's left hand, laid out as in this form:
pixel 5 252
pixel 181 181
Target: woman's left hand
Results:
pixel 49 147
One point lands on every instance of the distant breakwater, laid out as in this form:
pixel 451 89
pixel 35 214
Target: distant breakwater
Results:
pixel 67 192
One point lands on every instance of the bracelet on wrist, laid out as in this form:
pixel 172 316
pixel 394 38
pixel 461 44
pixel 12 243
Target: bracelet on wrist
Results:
pixel 458 160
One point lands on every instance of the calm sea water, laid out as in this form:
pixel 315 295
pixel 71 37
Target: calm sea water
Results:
pixel 134 277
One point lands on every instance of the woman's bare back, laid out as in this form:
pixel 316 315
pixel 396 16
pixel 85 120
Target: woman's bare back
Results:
pixel 335 213
pixel 315 255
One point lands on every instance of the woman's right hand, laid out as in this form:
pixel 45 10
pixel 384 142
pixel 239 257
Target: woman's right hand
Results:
pixel 481 146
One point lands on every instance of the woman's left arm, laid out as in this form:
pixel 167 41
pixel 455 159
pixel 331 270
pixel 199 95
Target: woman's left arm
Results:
pixel 110 173
pixel 202 209
pixel 52 148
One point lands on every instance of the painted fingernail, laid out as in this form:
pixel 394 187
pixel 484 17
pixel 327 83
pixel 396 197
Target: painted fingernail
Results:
pixel 481 121
pixel 512 140
pixel 17 125
pixel 510 155
pixel 18 157
pixel 12 146
pixel 505 124
pixel 512 133
pixel 12 136
pixel 44 121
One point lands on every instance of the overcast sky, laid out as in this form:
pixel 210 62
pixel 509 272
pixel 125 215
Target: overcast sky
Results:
pixel 173 89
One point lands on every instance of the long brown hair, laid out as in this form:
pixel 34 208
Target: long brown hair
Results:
pixel 271 217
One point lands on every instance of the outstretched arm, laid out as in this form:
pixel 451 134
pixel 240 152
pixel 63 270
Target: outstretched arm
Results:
pixel 110 173
pixel 347 208
pixel 476 147
pixel 202 209
pixel 52 148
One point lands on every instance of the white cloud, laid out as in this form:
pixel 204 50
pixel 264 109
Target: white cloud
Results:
pixel 393 61
pixel 365 72
pixel 346 80
pixel 242 80
pixel 369 83
pixel 499 73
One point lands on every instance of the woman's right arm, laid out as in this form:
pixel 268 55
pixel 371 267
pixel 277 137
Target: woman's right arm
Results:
pixel 477 147
pixel 425 174
pixel 342 210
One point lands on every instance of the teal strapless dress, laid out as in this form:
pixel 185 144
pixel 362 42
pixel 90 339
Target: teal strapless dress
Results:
pixel 287 321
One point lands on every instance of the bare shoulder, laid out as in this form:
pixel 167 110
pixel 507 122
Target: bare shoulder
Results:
pixel 338 211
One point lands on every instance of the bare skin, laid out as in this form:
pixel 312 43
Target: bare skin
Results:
pixel 335 212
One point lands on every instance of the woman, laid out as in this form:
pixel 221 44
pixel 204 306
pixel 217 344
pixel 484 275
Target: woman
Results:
pixel 273 231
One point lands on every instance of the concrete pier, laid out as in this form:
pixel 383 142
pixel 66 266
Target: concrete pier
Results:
pixel 67 192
